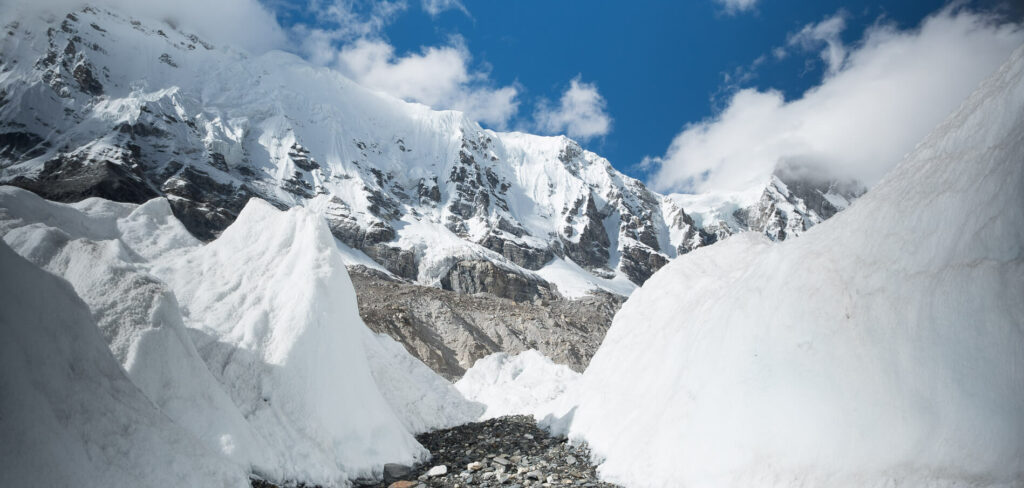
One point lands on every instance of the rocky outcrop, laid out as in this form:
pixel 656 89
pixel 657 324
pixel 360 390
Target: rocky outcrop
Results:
pixel 70 178
pixel 449 331
pixel 480 276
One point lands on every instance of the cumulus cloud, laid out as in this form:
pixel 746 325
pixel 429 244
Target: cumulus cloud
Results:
pixel 435 7
pixel 736 6
pixel 883 96
pixel 348 37
pixel 580 114
pixel 437 76
pixel 242 23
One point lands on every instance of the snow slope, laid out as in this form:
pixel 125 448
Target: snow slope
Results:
pixel 99 247
pixel 885 347
pixel 515 384
pixel 274 315
pixel 68 414
pixel 314 395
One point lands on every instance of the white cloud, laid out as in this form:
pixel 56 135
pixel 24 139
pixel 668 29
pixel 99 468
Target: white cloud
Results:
pixel 892 89
pixel 435 7
pixel 580 113
pixel 825 32
pixel 241 23
pixel 437 76
pixel 737 6
pixel 348 37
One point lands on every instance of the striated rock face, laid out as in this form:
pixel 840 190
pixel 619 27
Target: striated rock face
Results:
pixel 449 331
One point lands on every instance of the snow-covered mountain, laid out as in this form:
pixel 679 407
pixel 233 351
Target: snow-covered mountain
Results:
pixel 96 104
pixel 93 103
pixel 790 204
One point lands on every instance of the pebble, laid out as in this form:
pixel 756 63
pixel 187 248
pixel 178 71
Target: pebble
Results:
pixel 440 470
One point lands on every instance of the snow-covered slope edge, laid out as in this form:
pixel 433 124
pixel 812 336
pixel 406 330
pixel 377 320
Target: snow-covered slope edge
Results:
pixel 102 247
pixel 68 414
pixel 899 360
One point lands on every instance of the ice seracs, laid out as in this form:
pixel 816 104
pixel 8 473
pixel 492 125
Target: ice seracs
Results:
pixel 286 383
pixel 69 415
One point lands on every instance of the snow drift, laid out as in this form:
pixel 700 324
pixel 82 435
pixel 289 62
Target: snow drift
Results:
pixel 68 414
pixel 515 384
pixel 883 348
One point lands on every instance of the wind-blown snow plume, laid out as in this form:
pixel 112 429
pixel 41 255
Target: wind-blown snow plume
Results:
pixel 896 361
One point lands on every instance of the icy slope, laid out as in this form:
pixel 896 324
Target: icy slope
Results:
pixel 275 318
pixel 898 359
pixel 68 414
pixel 98 246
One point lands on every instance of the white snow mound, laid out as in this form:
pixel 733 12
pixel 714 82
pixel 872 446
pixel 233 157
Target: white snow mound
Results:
pixel 274 315
pixel 68 414
pixel 883 348
pixel 317 397
pixel 515 384
pixel 98 246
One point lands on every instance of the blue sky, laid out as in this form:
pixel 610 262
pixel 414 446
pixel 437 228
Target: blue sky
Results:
pixel 657 64
pixel 647 75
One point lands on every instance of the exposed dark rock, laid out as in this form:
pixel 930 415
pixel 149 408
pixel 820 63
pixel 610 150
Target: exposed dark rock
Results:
pixel 86 80
pixel 18 145
pixel 300 156
pixel 166 59
pixel 449 331
pixel 205 206
pixel 590 250
pixel 527 257
pixel 66 179
pixel 401 262
pixel 480 276
pixel 640 263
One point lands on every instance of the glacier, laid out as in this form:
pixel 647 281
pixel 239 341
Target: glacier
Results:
pixel 883 348
pixel 254 354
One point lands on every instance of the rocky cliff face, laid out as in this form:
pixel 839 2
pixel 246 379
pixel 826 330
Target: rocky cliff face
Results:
pixel 449 331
